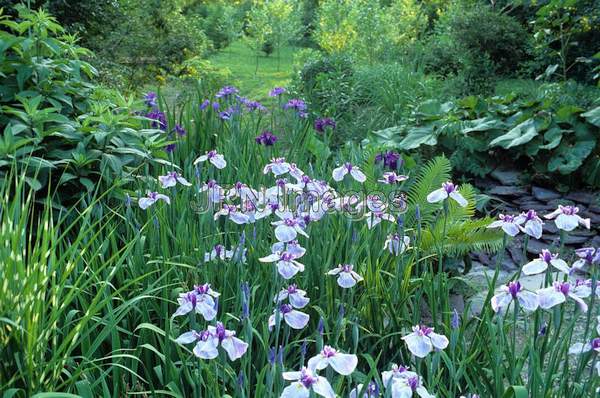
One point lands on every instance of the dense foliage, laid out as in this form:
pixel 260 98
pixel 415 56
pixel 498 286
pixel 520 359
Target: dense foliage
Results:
pixel 59 128
pixel 543 135
pixel 189 241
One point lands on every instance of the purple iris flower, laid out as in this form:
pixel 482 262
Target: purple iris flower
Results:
pixel 170 148
pixel 179 130
pixel 295 319
pixel 215 106
pixel 509 224
pixel 297 297
pixel 204 104
pixel 567 219
pixel 151 99
pixel 266 138
pixel 545 260
pixel 296 104
pixel 276 92
pixel 587 256
pixel 324 122
pixel 514 291
pixel 208 341
pixel 371 391
pixel 390 159
pixel 201 300
pixel 254 106
pixel 423 340
pixel 227 92
pixel 347 277
pixel 448 190
pixel 558 293
pixel 151 199
pixel 171 179
pixel 343 364
pixel 158 119
pixel 530 223
pixel 304 381
pixel 227 114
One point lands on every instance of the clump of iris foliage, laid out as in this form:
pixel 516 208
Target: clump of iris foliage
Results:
pixel 256 261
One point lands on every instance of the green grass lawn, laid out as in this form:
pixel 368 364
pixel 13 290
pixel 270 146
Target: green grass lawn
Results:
pixel 241 61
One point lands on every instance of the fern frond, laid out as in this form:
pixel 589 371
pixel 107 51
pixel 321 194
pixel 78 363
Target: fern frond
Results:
pixel 463 238
pixel 430 177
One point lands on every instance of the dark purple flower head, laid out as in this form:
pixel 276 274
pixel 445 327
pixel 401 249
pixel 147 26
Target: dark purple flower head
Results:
pixel 296 104
pixel 328 351
pixel 202 289
pixel 562 287
pixel 413 382
pixel 292 288
pixel 266 138
pixel 390 159
pixel 372 389
pixel 449 187
pixel 276 91
pixel 220 331
pixel 285 308
pixel 215 106
pixel 546 256
pixel 455 321
pixel 531 215
pixel 423 330
pixel 158 119
pixel 204 104
pixel 321 326
pixel 179 130
pixel 254 106
pixel 596 343
pixel 151 99
pixel 306 378
pixel 514 288
pixel 227 114
pixel 589 254
pixel 271 356
pixel 192 298
pixel 170 148
pixel 226 92
pixel 322 123
pixel 304 347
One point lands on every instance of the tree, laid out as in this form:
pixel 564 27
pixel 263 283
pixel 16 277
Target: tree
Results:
pixel 275 21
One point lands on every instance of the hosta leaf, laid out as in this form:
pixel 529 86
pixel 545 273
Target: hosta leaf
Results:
pixel 553 137
pixel 418 136
pixel 484 124
pixel 593 116
pixel 567 158
pixel 519 135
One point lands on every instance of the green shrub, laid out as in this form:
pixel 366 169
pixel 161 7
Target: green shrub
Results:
pixel 476 45
pixel 59 127
pixel 555 141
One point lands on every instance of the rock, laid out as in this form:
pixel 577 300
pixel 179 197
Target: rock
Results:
pixel 457 302
pixel 535 246
pixel 506 177
pixel 554 240
pixel 594 218
pixel 516 254
pixel 505 190
pixel 594 208
pixel 549 227
pixel 587 198
pixel 507 263
pixel 544 194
